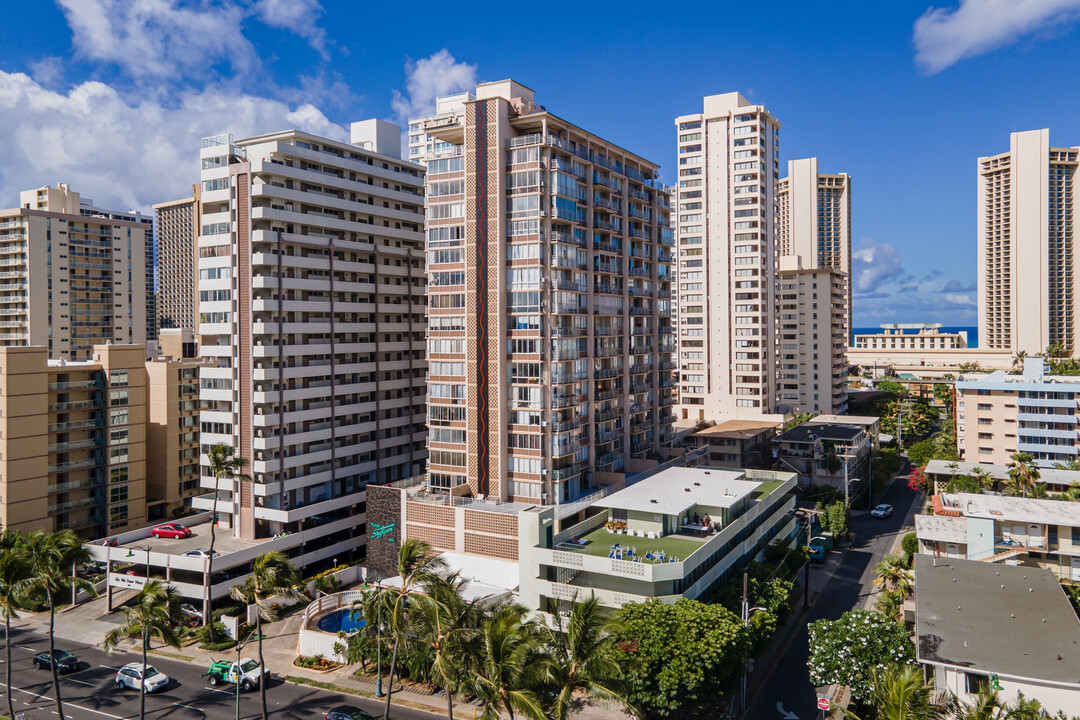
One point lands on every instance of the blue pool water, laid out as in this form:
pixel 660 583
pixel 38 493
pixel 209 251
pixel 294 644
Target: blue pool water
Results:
pixel 340 621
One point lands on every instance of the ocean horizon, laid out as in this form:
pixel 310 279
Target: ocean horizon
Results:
pixel 972 332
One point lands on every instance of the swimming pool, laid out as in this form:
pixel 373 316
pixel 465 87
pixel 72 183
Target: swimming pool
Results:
pixel 340 621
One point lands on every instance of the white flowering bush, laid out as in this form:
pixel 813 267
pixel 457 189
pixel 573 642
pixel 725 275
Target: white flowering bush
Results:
pixel 845 651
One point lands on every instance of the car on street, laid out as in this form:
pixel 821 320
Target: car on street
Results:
pixel 818 547
pixel 149 677
pixel 347 712
pixel 247 673
pixel 65 661
pixel 201 553
pixel 883 510
pixel 171 530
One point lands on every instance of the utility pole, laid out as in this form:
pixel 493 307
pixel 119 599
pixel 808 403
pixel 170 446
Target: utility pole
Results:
pixel 746 623
pixel 847 457
pixel 809 532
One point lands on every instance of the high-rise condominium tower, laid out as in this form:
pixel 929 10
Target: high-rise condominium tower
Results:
pixel 729 169
pixel 71 275
pixel 813 247
pixel 424 146
pixel 548 273
pixel 1027 262
pixel 311 287
pixel 177 230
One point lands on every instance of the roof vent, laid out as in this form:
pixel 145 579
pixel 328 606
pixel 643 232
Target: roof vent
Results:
pixel 655 501
pixel 698 484
pixel 686 489
pixel 708 473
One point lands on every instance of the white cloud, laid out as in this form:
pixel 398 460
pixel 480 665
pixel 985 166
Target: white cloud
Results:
pixel 427 79
pixel 874 263
pixel 159 37
pixel 944 36
pixel 299 16
pixel 958 299
pixel 125 153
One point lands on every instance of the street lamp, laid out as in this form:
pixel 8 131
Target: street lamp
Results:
pixel 147 551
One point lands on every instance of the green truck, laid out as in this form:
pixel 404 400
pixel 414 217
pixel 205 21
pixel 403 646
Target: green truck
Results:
pixel 247 673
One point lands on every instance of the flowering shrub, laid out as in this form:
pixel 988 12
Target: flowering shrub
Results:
pixel 845 651
pixel 918 480
pixel 614 525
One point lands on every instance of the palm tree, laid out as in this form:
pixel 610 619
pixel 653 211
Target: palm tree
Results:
pixel 893 575
pixel 417 568
pixel 581 659
pixel 889 604
pixel 447 624
pixel 225 464
pixel 51 559
pixel 508 665
pixel 154 615
pixel 1023 473
pixel 981 476
pixel 272 575
pixel 899 694
pixel 13 570
pixel 1019 358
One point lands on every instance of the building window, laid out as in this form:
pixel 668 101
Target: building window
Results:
pixel 118 397
pixel 118 474
pixel 118 378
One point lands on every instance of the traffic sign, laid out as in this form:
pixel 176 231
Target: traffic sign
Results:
pixel 823 703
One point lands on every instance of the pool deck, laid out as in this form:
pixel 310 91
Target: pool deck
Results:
pixel 599 542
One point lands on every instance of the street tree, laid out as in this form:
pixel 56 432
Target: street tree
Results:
pixel 13 570
pixel 225 464
pixel 1023 473
pixel 845 651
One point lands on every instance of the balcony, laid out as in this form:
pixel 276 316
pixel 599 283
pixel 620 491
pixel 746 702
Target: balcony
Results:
pixel 75 465
pixel 75 445
pixel 75 385
pixel 76 405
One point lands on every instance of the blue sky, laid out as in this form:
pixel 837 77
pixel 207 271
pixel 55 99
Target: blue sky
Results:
pixel 113 95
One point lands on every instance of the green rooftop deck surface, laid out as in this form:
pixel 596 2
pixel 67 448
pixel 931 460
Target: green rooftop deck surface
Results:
pixel 600 542
pixel 766 487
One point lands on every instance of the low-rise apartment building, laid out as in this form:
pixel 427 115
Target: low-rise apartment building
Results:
pixel 73 442
pixel 980 626
pixel 736 443
pixel 650 540
pixel 827 453
pixel 1000 414
pixel 1004 529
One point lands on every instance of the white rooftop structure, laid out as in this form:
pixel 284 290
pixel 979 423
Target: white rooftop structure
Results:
pixel 941 528
pixel 486 578
pixel 1028 510
pixel 1051 475
pixel 676 490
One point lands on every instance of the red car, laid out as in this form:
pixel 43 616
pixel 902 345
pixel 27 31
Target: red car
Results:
pixel 171 530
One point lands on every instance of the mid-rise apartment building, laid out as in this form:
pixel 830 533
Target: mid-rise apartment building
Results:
pixel 311 317
pixel 549 341
pixel 71 276
pixel 1027 285
pixel 178 227
pixel 726 208
pixel 73 444
pixel 1000 414
pixel 910 336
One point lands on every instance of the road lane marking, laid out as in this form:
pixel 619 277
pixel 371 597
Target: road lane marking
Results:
pixel 23 647
pixel 81 682
pixel 198 710
pixel 227 692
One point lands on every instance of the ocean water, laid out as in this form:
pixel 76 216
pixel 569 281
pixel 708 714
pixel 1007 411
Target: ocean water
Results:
pixel 972 332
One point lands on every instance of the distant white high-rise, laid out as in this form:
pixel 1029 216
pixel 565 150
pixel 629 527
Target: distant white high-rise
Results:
pixel 1027 261
pixel 729 172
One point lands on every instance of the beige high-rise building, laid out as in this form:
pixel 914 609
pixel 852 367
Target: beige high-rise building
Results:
pixel 178 228
pixel 172 435
pixel 549 341
pixel 70 278
pixel 1027 261
pixel 73 443
pixel 311 317
pixel 729 172
pixel 813 247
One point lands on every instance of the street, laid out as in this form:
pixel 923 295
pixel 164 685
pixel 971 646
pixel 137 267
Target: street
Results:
pixel 90 693
pixel 788 685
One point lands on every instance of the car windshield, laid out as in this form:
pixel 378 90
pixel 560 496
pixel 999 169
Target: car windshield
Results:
pixel 151 671
pixel 249 665
pixel 63 655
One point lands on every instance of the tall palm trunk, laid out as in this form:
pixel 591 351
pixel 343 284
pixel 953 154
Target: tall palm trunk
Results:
pixel 142 682
pixel 7 651
pixel 208 615
pixel 52 656
pixel 390 684
pixel 262 664
pixel 449 700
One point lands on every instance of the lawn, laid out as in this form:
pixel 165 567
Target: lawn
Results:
pixel 600 542
pixel 767 487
